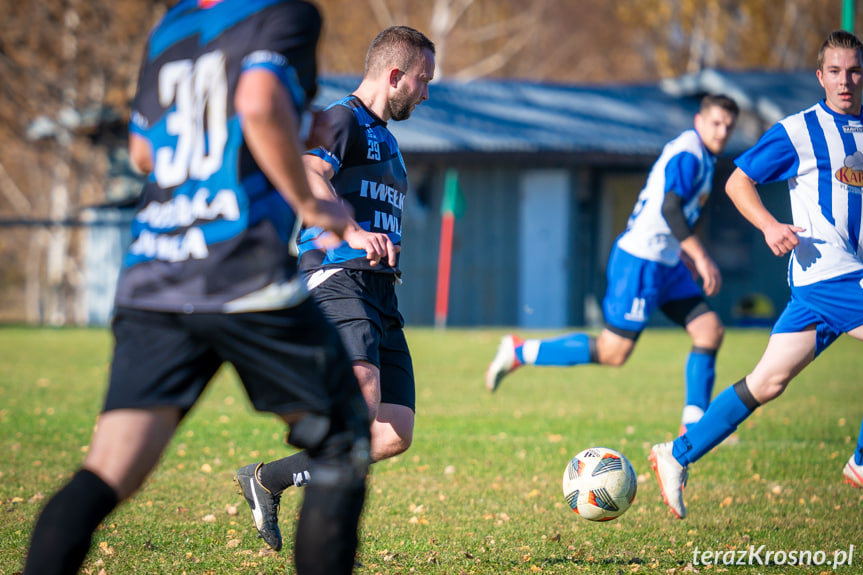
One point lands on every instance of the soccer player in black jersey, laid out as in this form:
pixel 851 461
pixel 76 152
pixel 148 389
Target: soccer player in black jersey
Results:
pixel 209 277
pixel 354 282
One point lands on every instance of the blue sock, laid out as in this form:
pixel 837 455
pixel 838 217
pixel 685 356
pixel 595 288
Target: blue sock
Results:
pixel 700 375
pixel 858 453
pixel 570 349
pixel 725 413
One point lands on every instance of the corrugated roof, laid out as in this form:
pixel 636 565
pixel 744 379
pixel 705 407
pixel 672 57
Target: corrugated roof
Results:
pixel 518 116
pixel 769 94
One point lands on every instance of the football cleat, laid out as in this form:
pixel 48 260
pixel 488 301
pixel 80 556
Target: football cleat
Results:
pixel 264 505
pixel 853 473
pixel 671 476
pixel 301 479
pixel 504 362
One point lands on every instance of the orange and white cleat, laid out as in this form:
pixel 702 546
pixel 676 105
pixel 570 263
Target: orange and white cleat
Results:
pixel 671 476
pixel 504 362
pixel 853 473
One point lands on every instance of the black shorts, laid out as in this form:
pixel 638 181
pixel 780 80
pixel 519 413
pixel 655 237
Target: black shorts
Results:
pixel 288 360
pixel 363 306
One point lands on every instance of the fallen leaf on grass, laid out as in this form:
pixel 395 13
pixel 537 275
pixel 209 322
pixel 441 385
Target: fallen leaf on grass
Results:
pixel 210 518
pixel 232 543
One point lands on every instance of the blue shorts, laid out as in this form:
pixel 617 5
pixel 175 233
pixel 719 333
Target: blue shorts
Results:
pixel 636 287
pixel 833 306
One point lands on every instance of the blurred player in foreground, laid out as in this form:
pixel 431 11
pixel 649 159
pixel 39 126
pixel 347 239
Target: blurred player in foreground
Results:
pixel 819 151
pixel 652 265
pixel 354 283
pixel 209 277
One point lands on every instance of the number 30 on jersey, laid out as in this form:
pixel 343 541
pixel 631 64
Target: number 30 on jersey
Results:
pixel 198 92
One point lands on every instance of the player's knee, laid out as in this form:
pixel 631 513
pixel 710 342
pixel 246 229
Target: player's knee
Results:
pixel 768 388
pixel 390 445
pixel 706 331
pixel 613 349
pixel 613 358
pixel 717 336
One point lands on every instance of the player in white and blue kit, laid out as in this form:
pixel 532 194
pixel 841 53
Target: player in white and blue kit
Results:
pixel 819 151
pixel 651 266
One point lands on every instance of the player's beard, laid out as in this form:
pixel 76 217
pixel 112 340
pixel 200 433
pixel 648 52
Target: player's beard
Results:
pixel 401 105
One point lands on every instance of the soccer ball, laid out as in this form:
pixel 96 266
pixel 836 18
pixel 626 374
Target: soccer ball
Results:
pixel 599 484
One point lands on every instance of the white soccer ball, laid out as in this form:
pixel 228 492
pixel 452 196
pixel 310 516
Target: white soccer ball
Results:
pixel 599 484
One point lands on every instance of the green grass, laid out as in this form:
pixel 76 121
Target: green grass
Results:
pixel 479 492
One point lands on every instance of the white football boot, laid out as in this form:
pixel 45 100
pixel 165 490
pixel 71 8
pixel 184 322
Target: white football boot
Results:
pixel 504 361
pixel 853 473
pixel 671 476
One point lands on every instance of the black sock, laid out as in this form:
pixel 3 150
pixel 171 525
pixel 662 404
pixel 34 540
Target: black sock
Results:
pixel 326 533
pixel 65 527
pixel 281 474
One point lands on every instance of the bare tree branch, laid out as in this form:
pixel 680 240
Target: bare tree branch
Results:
pixel 382 13
pixel 13 193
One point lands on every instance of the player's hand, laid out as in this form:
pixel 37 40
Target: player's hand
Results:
pixel 378 247
pixel 781 238
pixel 710 276
pixel 690 264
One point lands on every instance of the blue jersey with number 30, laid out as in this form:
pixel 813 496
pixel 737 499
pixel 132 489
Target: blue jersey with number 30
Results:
pixel 211 233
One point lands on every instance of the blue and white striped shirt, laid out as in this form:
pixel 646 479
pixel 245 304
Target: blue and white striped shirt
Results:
pixel 818 151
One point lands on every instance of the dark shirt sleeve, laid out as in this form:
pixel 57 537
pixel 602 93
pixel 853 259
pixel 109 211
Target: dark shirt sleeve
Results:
pixel 672 211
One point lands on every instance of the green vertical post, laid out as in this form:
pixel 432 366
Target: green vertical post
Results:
pixel 848 15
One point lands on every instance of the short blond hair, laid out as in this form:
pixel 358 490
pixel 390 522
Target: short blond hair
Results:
pixel 840 39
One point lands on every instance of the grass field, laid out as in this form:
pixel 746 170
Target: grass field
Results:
pixel 479 492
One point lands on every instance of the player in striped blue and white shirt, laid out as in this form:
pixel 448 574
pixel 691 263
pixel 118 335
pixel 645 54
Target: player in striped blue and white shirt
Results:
pixel 819 151
pixel 651 267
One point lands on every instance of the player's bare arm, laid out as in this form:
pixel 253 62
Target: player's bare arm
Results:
pixel 780 238
pixel 376 245
pixel 705 267
pixel 270 128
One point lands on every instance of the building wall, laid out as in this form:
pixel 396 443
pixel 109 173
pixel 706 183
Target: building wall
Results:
pixel 484 287
pixel 485 260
